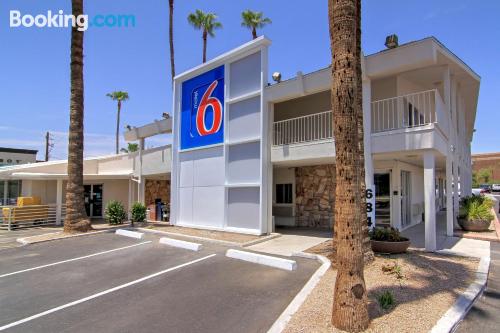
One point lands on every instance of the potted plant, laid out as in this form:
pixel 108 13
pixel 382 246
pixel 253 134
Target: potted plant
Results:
pixel 475 214
pixel 388 240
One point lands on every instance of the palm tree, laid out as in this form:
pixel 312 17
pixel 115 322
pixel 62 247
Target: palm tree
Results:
pixel 119 96
pixel 254 20
pixel 131 148
pixel 171 37
pixel 207 22
pixel 350 311
pixel 76 219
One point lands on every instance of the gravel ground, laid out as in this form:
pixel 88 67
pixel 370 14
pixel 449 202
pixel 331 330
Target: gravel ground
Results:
pixel 430 285
pixel 218 235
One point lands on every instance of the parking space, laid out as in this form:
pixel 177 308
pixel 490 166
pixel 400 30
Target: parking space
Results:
pixel 111 283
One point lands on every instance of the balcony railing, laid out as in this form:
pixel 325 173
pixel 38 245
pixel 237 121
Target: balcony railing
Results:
pixel 314 127
pixel 408 111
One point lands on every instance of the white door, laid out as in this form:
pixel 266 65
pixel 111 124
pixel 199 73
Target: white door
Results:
pixel 382 181
pixel 405 198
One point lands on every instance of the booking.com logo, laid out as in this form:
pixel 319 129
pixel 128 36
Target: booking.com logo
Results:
pixel 61 20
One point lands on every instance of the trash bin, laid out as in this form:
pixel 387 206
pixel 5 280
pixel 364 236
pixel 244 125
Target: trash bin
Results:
pixel 159 210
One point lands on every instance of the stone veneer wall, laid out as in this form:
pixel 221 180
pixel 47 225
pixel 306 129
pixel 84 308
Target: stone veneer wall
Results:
pixel 156 189
pixel 315 193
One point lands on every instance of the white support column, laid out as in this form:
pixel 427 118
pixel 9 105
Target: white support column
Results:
pixel 5 191
pixel 140 194
pixel 449 196
pixel 130 197
pixel 59 193
pixel 367 128
pixel 430 200
pixel 396 196
pixel 455 186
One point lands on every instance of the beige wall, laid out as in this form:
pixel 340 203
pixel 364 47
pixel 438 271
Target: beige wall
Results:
pixel 384 88
pixel 303 106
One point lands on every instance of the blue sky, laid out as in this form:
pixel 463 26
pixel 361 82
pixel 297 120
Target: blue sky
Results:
pixel 34 62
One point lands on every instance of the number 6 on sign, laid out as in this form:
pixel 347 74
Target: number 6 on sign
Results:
pixel 208 101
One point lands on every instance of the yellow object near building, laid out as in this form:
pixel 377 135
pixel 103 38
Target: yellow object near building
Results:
pixel 28 201
pixel 28 209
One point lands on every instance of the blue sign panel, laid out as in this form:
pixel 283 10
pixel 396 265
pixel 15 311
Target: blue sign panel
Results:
pixel 202 109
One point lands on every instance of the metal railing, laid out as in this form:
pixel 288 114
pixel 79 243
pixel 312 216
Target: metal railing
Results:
pixel 407 111
pixel 14 217
pixel 314 127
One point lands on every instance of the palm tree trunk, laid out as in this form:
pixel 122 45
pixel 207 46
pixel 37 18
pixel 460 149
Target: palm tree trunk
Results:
pixel 204 46
pixel 76 218
pixel 171 37
pixel 254 33
pixel 350 311
pixel 118 127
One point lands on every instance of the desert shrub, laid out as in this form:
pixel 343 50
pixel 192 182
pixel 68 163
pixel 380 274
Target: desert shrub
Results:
pixel 476 208
pixel 385 300
pixel 138 212
pixel 394 269
pixel 115 212
pixel 386 234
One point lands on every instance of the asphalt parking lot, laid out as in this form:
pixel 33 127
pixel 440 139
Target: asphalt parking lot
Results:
pixel 111 283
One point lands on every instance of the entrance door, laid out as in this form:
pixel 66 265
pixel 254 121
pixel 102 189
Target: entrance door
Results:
pixel 405 198
pixel 93 200
pixel 382 199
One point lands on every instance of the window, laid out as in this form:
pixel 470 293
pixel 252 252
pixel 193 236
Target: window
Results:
pixel 284 194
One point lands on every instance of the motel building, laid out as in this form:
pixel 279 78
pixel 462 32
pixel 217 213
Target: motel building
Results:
pixel 248 156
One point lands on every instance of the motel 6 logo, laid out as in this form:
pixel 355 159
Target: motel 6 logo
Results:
pixel 202 110
pixel 208 101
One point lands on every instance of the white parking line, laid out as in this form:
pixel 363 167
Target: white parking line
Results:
pixel 73 259
pixel 102 293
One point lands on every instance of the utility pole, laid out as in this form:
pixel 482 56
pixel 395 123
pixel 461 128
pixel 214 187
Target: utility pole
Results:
pixel 48 146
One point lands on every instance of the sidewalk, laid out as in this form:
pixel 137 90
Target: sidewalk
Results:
pixel 484 315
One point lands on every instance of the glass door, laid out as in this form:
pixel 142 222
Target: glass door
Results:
pixel 96 200
pixel 87 191
pixel 93 200
pixel 405 198
pixel 382 199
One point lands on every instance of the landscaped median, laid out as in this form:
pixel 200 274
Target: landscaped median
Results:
pixel 407 292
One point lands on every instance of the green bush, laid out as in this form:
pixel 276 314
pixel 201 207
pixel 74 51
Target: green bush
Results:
pixel 138 212
pixel 385 300
pixel 386 234
pixel 115 212
pixel 476 207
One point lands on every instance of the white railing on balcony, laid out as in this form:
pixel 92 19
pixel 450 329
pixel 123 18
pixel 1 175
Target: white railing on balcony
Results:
pixel 408 111
pixel 313 127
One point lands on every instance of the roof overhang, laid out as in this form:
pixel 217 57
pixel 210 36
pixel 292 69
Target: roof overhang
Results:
pixel 53 176
pixel 163 126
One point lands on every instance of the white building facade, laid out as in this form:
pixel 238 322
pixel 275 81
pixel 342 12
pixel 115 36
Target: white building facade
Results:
pixel 276 142
pixel 248 156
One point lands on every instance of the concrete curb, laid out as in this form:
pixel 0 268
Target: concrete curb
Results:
pixel 299 299
pixel 461 307
pixel 26 241
pixel 261 240
pixel 129 233
pixel 286 264
pixel 210 240
pixel 181 244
